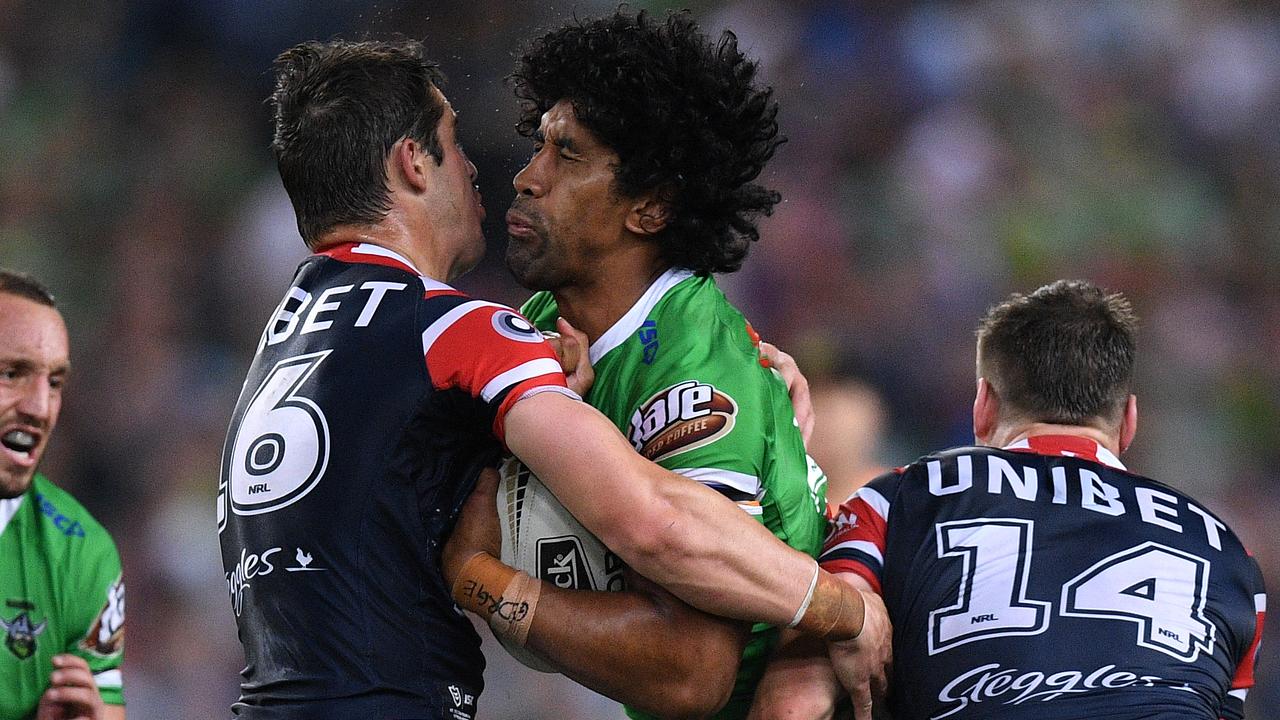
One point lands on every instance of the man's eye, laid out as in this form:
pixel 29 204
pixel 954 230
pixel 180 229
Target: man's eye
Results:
pixel 57 382
pixel 8 374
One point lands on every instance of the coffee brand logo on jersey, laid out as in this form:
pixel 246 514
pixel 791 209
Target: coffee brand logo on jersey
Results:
pixel 20 632
pixel 680 418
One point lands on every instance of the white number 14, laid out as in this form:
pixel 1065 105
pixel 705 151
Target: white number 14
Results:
pixel 1160 589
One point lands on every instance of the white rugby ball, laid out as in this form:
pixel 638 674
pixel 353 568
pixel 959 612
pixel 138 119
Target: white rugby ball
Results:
pixel 540 537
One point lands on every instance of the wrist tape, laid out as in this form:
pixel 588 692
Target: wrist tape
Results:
pixel 503 596
pixel 836 611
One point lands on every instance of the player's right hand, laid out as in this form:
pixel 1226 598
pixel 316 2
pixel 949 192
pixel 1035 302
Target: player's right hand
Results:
pixel 72 693
pixel 863 663
pixel 477 529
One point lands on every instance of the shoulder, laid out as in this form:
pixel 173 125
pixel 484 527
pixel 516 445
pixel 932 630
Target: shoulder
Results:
pixel 64 516
pixel 696 320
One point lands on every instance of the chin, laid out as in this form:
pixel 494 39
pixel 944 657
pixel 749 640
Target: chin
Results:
pixel 11 486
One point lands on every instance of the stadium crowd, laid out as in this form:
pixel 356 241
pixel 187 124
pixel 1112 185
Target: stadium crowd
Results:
pixel 940 156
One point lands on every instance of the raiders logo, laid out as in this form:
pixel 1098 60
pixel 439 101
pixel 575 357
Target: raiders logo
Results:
pixel 20 633
pixel 682 417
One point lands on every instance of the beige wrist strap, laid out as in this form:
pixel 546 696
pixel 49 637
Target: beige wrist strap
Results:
pixel 515 613
pixel 480 583
pixel 836 611
pixel 502 595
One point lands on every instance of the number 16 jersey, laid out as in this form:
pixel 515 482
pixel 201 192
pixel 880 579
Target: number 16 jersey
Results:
pixel 1045 581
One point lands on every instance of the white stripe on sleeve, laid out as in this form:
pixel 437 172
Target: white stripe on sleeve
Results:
pixel 109 679
pixel 437 328
pixel 519 373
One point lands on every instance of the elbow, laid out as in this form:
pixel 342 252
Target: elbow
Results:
pixel 701 692
pixel 653 541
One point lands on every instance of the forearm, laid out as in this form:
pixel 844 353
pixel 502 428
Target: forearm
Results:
pixel 684 536
pixel 646 649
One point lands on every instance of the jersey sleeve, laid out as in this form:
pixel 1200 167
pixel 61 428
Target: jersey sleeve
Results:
pixel 99 612
pixel 856 543
pixel 1243 678
pixel 490 352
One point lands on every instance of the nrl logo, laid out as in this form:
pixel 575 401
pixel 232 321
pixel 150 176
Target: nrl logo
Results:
pixel 682 417
pixel 20 634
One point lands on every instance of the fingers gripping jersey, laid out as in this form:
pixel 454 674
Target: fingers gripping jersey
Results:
pixel 374 400
pixel 1044 581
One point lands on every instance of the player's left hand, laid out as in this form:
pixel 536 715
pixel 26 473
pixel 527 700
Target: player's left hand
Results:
pixel 477 529
pixel 797 386
pixel 72 693
pixel 863 663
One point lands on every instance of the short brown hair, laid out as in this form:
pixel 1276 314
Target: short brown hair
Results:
pixel 339 108
pixel 25 286
pixel 1064 354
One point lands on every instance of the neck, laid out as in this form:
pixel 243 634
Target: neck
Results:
pixel 608 293
pixel 1006 435
pixel 418 245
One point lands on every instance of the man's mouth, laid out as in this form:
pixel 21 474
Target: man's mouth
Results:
pixel 519 225
pixel 22 442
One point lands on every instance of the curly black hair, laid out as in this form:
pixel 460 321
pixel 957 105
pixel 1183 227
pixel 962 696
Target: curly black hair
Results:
pixel 683 114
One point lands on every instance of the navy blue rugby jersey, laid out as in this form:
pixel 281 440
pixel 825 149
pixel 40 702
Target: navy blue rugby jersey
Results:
pixel 374 400
pixel 1045 581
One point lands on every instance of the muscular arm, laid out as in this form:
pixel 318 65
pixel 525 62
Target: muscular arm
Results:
pixel 682 535
pixel 642 647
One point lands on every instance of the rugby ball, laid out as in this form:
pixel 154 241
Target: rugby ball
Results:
pixel 540 537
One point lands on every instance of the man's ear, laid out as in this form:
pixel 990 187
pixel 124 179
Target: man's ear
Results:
pixel 408 164
pixel 986 411
pixel 1129 422
pixel 648 216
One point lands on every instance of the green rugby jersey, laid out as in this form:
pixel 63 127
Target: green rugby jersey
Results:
pixel 60 592
pixel 680 376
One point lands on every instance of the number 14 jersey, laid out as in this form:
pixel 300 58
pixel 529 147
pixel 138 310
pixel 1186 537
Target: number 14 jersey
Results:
pixel 1045 581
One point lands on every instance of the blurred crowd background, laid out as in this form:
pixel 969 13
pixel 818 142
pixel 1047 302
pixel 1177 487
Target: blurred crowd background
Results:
pixel 940 156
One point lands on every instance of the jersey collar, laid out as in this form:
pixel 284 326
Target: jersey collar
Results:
pixel 1068 446
pixel 633 318
pixel 371 254
pixel 9 508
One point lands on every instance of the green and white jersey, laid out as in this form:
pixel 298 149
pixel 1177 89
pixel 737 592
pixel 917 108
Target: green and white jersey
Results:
pixel 60 592
pixel 680 376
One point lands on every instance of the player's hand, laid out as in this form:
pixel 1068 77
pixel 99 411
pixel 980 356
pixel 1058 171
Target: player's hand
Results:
pixel 863 663
pixel 72 693
pixel 797 386
pixel 571 346
pixel 477 529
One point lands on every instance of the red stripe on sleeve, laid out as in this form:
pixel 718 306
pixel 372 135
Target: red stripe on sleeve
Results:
pixel 1244 672
pixel 472 354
